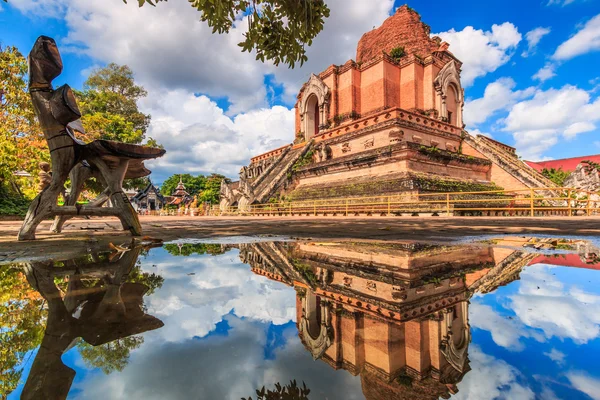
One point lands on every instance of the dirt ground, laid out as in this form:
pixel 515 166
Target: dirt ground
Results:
pixel 86 235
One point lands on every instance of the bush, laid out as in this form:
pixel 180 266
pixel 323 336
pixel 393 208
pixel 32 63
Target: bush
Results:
pixel 397 53
pixel 12 204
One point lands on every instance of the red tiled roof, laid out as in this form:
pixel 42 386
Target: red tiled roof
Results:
pixel 566 260
pixel 566 164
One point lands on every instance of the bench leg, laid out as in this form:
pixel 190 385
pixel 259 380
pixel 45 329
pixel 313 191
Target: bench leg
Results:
pixel 40 209
pixel 114 180
pixel 79 174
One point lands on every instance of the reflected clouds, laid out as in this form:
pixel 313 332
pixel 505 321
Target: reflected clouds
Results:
pixel 192 305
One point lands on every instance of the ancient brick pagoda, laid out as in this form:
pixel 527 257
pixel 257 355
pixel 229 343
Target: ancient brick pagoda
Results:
pixel 389 123
pixel 392 313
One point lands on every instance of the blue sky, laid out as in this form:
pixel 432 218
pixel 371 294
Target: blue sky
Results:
pixel 530 71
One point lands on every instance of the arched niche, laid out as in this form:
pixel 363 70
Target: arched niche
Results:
pixel 456 339
pixel 449 99
pixel 314 107
pixel 315 326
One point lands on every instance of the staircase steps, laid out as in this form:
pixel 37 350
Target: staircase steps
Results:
pixel 277 175
pixel 510 163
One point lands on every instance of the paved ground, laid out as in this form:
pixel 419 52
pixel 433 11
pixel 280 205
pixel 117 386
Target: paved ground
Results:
pixel 83 235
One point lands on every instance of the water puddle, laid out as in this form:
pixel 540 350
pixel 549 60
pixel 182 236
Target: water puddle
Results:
pixel 508 317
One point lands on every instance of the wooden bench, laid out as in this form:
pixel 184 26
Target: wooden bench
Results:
pixel 109 161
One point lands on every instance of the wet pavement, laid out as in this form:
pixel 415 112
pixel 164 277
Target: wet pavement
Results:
pixel 231 318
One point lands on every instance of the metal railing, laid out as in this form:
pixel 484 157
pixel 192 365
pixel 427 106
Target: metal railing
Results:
pixel 522 202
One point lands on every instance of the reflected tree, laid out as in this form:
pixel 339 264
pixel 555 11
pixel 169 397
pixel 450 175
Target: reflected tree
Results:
pixel 291 391
pixel 109 357
pixel 188 249
pixel 22 320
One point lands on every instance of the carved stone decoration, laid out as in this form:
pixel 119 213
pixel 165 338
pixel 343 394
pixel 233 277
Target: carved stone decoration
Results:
pixel 59 115
pixel 346 147
pixel 369 143
pixel 449 79
pixel 396 136
pixel 315 90
pixel 456 341
pixel 317 338
pixel 327 152
pixel 372 286
pixel 584 178
pixel 45 176
pixel 348 281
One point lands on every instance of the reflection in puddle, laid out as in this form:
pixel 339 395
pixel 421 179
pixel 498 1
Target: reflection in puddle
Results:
pixel 402 320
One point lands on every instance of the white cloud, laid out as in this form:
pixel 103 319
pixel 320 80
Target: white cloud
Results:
pixel 168 48
pixel 585 383
pixel 200 138
pixel 560 2
pixel 556 356
pixel 533 38
pixel 498 95
pixel 228 366
pixel 491 378
pixel 545 73
pixel 578 127
pixel 538 123
pixel 192 305
pixel 584 41
pixel 40 8
pixel 481 51
pixel 505 332
pixel 544 304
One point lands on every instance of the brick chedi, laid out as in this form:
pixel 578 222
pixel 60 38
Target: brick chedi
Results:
pixel 405 29
pixel 395 315
pixel 390 123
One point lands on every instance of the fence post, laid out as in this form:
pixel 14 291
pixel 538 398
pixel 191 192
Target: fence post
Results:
pixel 447 204
pixel 589 202
pixel 569 202
pixel 290 208
pixel 346 207
pixel 315 208
pixel 389 206
pixel 531 205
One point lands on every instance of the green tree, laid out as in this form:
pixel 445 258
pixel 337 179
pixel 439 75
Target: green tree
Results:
pixel 188 249
pixel 212 188
pixel 108 104
pixel 291 391
pixel 557 176
pixel 22 143
pixel 193 184
pixel 22 325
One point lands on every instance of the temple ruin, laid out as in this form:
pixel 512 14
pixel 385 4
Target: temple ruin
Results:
pixel 395 314
pixel 389 122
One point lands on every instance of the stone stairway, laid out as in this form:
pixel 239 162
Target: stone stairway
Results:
pixel 258 181
pixel 509 162
pixel 276 175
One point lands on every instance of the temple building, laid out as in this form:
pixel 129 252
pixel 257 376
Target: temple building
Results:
pixel 389 122
pixel 397 315
pixel 149 199
pixel 180 197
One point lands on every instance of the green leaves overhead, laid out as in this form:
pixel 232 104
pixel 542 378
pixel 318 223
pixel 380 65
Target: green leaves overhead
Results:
pixel 278 30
